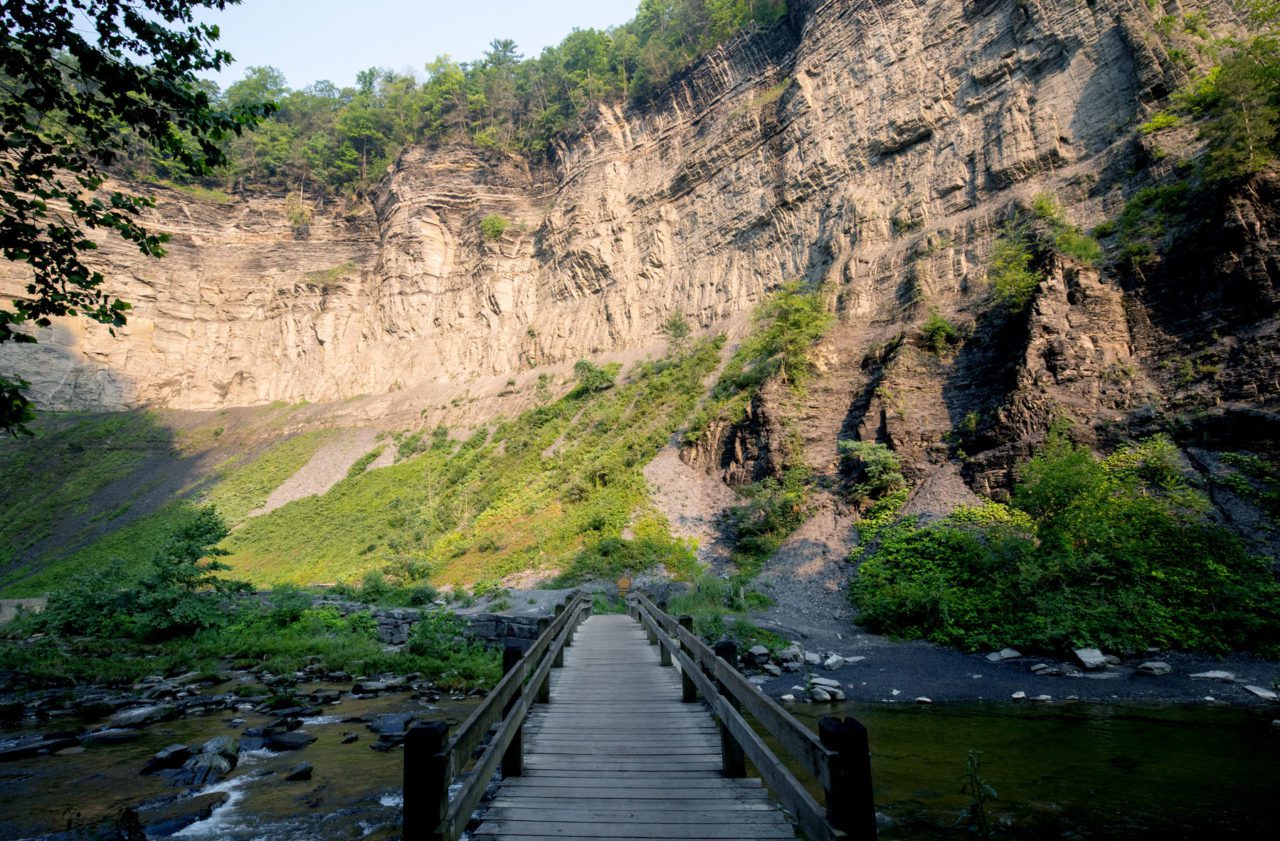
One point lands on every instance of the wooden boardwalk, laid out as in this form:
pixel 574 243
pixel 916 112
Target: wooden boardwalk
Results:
pixel 616 754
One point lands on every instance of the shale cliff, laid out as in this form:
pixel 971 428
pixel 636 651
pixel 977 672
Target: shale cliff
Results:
pixel 875 145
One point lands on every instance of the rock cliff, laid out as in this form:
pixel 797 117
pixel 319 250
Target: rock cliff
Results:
pixel 875 145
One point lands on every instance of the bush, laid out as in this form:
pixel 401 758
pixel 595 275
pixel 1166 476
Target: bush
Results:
pixel 772 511
pixel 1114 553
pixel 876 468
pixel 592 378
pixel 1013 280
pixel 492 227
pixel 178 594
pixel 937 334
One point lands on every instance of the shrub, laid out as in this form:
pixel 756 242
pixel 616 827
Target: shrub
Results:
pixel 774 508
pixel 937 334
pixel 592 378
pixel 876 468
pixel 1013 280
pixel 493 226
pixel 1113 552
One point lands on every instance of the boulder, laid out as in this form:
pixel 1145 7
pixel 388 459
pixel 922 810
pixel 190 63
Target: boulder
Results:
pixel 111 736
pixel 171 757
pixel 164 819
pixel 1019 696
pixel 36 747
pixel 819 694
pixel 203 769
pixel 791 654
pixel 142 716
pixel 1004 654
pixel 772 670
pixel 349 738
pixel 299 772
pixel 390 723
pixel 812 658
pixel 791 699
pixel 825 683
pixel 833 662
pixel 294 740
pixel 1262 692
pixel 1154 668
pixel 1091 658
pixel 1043 698
pixel 225 746
pixel 757 655
pixel 1216 674
pixel 924 700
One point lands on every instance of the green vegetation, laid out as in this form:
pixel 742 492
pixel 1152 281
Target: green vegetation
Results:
pixel 876 468
pixel 360 465
pixel 331 278
pixel 717 604
pixel 245 487
pixel 593 379
pixel 493 226
pixel 676 329
pixel 1149 220
pixel 937 335
pixel 1013 279
pixel 75 99
pixel 71 459
pixel 1115 553
pixel 327 139
pixel 786 327
pixel 773 509
pixel 1067 238
pixel 554 488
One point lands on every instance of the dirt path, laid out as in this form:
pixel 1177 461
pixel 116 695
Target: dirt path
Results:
pixel 327 467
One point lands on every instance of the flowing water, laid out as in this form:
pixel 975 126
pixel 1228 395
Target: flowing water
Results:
pixel 1075 770
pixel 1061 771
pixel 354 792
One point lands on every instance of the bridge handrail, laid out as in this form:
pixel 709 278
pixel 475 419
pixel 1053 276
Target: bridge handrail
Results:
pixel 433 761
pixel 838 757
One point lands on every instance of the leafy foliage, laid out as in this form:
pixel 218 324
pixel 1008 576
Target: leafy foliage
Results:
pixel 1113 553
pixel 786 327
pixel 178 594
pixel 493 226
pixel 592 378
pixel 937 334
pixel 1013 278
pixel 876 468
pixel 82 82
pixel 773 509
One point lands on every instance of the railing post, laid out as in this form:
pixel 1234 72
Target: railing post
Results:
pixel 513 759
pixel 732 758
pixel 688 689
pixel 851 805
pixel 558 662
pixel 544 689
pixel 426 781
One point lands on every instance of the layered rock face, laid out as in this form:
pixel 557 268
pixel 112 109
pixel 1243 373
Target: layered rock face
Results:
pixel 872 145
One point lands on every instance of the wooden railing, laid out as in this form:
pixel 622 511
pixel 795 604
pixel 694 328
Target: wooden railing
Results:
pixel 433 759
pixel 837 756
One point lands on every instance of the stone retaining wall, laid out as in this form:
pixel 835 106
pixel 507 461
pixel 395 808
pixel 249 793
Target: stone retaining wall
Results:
pixel 395 624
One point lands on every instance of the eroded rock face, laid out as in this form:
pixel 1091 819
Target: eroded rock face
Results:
pixel 873 145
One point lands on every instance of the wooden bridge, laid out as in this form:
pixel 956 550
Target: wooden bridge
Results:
pixel 604 739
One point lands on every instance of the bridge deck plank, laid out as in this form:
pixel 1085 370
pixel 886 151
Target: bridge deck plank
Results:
pixel 617 755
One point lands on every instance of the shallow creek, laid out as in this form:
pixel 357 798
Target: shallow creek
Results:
pixel 1104 771
pixel 1061 771
pixel 354 791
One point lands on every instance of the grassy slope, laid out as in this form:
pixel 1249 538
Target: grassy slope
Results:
pixel 537 492
pixel 78 463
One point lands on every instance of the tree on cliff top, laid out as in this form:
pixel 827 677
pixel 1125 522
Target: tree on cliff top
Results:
pixel 79 81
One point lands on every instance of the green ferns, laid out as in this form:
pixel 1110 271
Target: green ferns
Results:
pixel 1114 553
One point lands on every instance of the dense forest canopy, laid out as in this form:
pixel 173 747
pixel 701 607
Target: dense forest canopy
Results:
pixel 325 139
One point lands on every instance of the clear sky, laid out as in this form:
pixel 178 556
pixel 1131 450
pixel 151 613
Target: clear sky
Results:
pixel 311 40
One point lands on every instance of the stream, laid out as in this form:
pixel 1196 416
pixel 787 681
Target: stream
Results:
pixel 1098 771
pixel 1071 771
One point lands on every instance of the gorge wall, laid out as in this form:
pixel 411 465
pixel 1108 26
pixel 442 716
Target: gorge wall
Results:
pixel 873 145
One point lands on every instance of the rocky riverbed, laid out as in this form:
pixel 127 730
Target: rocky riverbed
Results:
pixel 239 756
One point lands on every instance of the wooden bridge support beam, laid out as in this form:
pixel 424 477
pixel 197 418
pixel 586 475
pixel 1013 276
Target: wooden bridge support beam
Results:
pixel 513 759
pixel 688 689
pixel 426 780
pixel 731 755
pixel 851 805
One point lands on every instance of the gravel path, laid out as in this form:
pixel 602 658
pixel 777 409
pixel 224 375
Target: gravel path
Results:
pixel 327 467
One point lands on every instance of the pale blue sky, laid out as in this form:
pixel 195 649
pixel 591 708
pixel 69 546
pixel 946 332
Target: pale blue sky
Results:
pixel 334 39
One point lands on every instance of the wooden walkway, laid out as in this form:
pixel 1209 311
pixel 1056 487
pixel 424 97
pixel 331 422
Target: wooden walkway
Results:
pixel 616 754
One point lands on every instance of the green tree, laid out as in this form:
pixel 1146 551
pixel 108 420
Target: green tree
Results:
pixel 74 74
